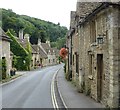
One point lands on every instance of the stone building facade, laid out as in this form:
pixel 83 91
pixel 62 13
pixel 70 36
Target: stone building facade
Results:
pixel 96 51
pixel 5 49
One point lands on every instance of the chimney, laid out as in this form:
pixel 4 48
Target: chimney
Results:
pixel 39 41
pixel 48 42
pixel 21 34
pixel 26 36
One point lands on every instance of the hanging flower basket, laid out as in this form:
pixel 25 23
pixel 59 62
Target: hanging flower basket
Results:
pixel 63 53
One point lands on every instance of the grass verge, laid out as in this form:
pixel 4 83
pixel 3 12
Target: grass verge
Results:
pixel 10 78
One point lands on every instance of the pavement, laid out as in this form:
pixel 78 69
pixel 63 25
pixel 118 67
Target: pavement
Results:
pixel 70 96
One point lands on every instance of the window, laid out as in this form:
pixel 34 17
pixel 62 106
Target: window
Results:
pixel 77 64
pixel 53 60
pixel 49 60
pixel 93 31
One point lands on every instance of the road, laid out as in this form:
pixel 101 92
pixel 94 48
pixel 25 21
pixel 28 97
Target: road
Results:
pixel 32 90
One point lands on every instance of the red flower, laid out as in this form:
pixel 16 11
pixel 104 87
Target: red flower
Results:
pixel 63 52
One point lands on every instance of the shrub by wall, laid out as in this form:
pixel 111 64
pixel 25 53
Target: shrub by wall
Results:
pixel 4 68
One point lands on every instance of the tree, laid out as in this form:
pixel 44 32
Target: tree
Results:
pixel 35 27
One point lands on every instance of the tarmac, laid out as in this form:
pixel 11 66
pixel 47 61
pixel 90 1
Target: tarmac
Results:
pixel 71 97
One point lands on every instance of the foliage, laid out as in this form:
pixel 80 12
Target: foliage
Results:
pixel 4 68
pixel 23 56
pixel 14 61
pixel 15 47
pixel 36 28
pixel 59 43
pixel 29 57
pixel 12 32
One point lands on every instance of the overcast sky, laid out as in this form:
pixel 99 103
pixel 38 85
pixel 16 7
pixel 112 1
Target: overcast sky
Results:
pixel 50 10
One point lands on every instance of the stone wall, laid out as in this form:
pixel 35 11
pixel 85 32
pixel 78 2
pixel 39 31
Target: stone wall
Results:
pixel 106 24
pixel 114 56
pixel 6 54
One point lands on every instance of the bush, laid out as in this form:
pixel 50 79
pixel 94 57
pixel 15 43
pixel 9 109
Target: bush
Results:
pixel 4 68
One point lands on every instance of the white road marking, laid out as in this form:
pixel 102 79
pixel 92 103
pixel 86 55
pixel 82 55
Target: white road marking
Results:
pixel 54 101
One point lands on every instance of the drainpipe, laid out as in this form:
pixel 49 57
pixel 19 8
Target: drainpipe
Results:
pixel 72 32
pixel 70 77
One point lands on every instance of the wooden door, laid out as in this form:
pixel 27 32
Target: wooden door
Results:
pixel 99 76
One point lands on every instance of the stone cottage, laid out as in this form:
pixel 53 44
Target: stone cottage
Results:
pixel 38 56
pixel 42 53
pixel 5 49
pixel 95 51
pixel 52 53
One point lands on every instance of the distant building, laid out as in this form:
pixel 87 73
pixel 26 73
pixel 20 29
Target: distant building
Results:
pixel 39 57
pixel 42 53
pixel 52 53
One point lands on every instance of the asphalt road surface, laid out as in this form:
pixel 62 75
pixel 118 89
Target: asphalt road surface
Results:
pixel 32 90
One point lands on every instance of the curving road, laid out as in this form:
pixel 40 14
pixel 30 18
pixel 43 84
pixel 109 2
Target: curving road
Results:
pixel 32 90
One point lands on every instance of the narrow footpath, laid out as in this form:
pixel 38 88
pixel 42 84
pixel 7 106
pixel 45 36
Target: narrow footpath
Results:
pixel 71 98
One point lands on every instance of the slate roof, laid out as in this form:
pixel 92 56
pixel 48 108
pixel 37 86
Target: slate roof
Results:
pixel 87 9
pixel 39 51
pixel 23 42
pixel 42 53
pixel 47 48
pixel 4 36
pixel 33 50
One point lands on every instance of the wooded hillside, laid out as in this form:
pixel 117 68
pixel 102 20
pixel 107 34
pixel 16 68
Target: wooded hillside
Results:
pixel 37 28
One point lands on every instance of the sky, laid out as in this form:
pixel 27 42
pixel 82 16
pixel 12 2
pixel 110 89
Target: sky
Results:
pixel 49 10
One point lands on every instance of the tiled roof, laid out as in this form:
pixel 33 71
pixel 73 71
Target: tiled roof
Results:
pixel 3 35
pixel 35 47
pixel 23 42
pixel 85 8
pixel 33 50
pixel 45 46
pixel 40 51
pixel 42 54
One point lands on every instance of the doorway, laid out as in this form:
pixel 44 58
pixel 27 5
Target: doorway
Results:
pixel 99 76
pixel 77 64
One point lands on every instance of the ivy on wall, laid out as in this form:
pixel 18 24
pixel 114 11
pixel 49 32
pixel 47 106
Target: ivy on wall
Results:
pixel 29 57
pixel 22 56
pixel 15 46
